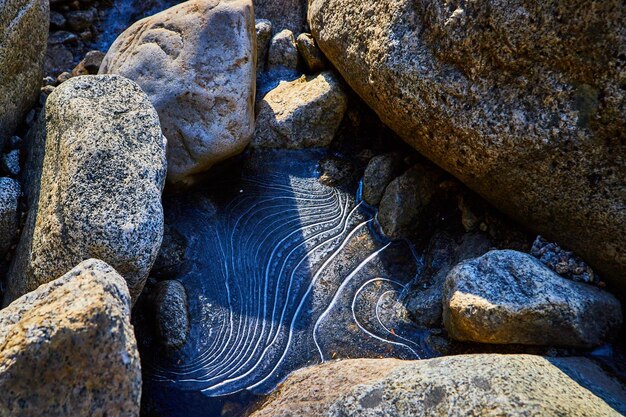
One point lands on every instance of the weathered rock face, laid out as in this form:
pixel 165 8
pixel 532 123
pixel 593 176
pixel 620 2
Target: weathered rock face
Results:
pixel 486 385
pixel 263 29
pixel 300 114
pixel 283 51
pixel 520 100
pixel 197 62
pixel 68 348
pixel 171 316
pixel 284 14
pixel 9 215
pixel 380 171
pixel 425 301
pixel 510 297
pixel 407 203
pixel 310 53
pixel 101 183
pixel 23 41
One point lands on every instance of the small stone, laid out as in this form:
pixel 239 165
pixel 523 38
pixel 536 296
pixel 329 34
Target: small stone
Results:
pixel 49 81
pixel 406 207
pixel 300 114
pixel 30 118
pixel 14 142
pixel 564 263
pixel 57 20
pixel 63 37
pixel 64 76
pixel 310 53
pixel 424 302
pixel 283 51
pixel 263 36
pixel 9 214
pixel 47 89
pixel 80 20
pixel 171 254
pixel 509 297
pixel 380 171
pixel 170 305
pixel 58 57
pixel 10 162
pixel 89 65
pixel 336 171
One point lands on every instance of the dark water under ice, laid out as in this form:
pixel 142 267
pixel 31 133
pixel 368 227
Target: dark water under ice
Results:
pixel 283 272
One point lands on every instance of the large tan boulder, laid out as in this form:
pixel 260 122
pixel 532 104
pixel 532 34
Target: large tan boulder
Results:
pixel 521 100
pixel 97 192
pixel 464 385
pixel 68 348
pixel 197 63
pixel 23 39
pixel 507 296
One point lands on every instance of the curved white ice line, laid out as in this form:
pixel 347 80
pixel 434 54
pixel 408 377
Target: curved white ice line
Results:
pixel 310 287
pixel 248 333
pixel 356 321
pixel 343 285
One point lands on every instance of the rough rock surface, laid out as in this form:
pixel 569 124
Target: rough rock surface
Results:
pixel 263 29
pixel 101 182
pixel 300 114
pixel 68 348
pixel 561 261
pixel 485 385
pixel 23 38
pixel 283 51
pixel 380 171
pixel 90 65
pixel 520 100
pixel 284 14
pixel 406 207
pixel 197 62
pixel 310 53
pixel 510 297
pixel 9 214
pixel 425 300
pixel 10 162
pixel 172 319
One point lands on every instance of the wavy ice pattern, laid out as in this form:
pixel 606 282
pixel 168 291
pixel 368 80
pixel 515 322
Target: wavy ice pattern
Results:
pixel 291 273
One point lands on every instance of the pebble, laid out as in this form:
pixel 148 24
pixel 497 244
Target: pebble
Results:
pixel 10 162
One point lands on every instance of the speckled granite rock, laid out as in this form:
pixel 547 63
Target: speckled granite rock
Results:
pixel 310 53
pixel 463 385
pixel 68 348
pixel 424 301
pixel 510 297
pixel 9 215
pixel 197 63
pixel 522 101
pixel 407 205
pixel 263 29
pixel 283 51
pixel 101 183
pixel 23 40
pixel 300 114
pixel 171 316
pixel 380 171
